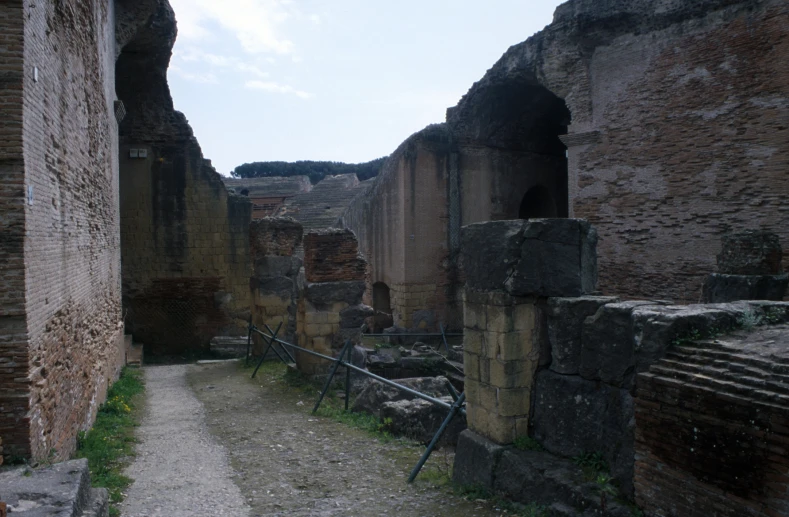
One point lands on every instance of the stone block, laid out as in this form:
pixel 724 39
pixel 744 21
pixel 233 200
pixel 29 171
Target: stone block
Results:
pixel 515 346
pixel 475 316
pixel 750 253
pixel 525 317
pixel 476 458
pixel 499 318
pixel 501 429
pixel 354 316
pixel 376 394
pixel 420 420
pixel 573 416
pixel 471 388
pixel 565 321
pixel 729 288
pixel 329 293
pixel 608 344
pixel 471 366
pixel 276 266
pixel 490 252
pixel 474 342
pixel 512 374
pixel 513 402
pixel 541 257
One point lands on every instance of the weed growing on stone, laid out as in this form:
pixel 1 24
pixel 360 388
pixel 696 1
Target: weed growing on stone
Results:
pixel 109 445
pixel 526 443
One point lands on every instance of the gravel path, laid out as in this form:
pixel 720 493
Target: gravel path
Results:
pixel 290 463
pixel 179 470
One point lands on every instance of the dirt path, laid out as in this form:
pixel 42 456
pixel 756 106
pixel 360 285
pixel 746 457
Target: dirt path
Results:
pixel 290 463
pixel 179 470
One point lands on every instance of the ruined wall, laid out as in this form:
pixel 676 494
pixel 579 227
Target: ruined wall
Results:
pixel 185 239
pixel 678 117
pixel 71 229
pixel 402 224
pixel 14 353
pixel 273 243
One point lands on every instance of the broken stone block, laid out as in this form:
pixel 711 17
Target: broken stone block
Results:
pixel 275 265
pixel 608 344
pixel 750 253
pixel 475 460
pixel 328 293
pixel 420 420
pixel 540 477
pixel 542 257
pixel 574 416
pixel 373 397
pixel 720 288
pixel 558 258
pixel 355 316
pixel 565 319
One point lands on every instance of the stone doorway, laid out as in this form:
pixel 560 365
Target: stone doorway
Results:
pixel 382 304
pixel 537 203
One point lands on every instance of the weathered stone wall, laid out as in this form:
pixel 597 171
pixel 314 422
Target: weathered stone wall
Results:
pixel 677 128
pixel 402 225
pixel 273 242
pixel 331 311
pixel 185 239
pixel 71 290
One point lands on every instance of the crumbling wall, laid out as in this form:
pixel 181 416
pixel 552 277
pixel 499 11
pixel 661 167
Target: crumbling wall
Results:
pixel 273 244
pixel 403 230
pixel 185 239
pixel 676 137
pixel 68 334
pixel 330 309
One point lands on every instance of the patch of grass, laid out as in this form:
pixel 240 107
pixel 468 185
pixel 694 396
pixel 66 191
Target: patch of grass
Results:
pixel 109 445
pixel 593 465
pixel 476 492
pixel 526 443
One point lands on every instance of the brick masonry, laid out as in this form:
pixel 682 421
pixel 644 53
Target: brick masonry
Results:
pixel 67 333
pixel 333 256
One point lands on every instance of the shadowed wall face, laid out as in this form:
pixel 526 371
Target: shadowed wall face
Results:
pixel 185 240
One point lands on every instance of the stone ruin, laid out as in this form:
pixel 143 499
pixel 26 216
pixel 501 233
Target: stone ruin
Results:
pixel 115 225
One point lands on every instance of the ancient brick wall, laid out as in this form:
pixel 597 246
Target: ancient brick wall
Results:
pixel 333 256
pixel 676 135
pixel 71 247
pixel 712 432
pixel 14 354
pixel 185 239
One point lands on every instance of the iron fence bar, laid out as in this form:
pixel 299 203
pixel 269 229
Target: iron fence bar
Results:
pixel 452 412
pixel 291 345
pixel 378 378
pixel 263 357
pixel 249 339
pixel 348 379
pixel 432 334
pixel 452 391
pixel 292 359
pixel 444 337
pixel 331 376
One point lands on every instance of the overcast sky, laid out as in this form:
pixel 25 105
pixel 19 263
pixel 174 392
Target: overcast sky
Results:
pixel 343 80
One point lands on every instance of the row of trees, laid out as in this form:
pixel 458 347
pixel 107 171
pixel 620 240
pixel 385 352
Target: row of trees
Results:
pixel 315 170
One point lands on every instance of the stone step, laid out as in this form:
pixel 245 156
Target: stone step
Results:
pixel 719 385
pixel 751 377
pixel 699 353
pixel 60 490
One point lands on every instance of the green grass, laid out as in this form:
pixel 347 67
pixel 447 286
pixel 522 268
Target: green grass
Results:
pixel 526 443
pixel 475 492
pixel 109 445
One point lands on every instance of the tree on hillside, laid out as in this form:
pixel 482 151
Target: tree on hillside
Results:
pixel 315 170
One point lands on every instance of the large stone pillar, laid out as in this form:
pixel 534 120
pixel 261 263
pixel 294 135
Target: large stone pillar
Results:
pixel 511 267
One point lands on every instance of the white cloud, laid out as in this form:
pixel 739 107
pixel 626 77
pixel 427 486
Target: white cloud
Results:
pixel 273 87
pixel 256 24
pixel 203 78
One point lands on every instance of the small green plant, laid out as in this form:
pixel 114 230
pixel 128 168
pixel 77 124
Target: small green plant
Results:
pixel 592 460
pixel 749 320
pixel 526 443
pixel 605 489
pixel 110 443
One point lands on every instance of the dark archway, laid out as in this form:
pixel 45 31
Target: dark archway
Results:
pixel 382 304
pixel 537 203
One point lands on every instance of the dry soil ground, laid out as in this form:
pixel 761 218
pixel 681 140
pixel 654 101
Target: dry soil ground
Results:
pixel 261 439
